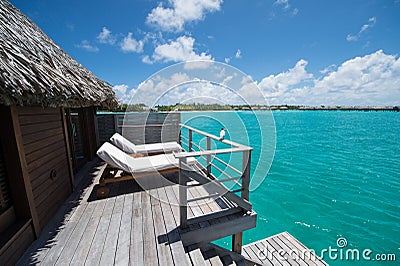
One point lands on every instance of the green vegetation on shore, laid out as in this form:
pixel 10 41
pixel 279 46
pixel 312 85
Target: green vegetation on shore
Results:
pixel 217 107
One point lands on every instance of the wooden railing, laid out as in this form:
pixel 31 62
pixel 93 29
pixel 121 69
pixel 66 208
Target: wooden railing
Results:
pixel 242 180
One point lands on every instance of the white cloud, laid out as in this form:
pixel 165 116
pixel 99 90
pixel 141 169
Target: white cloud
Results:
pixel 149 91
pixel 146 59
pixel 122 93
pixel 130 44
pixel 372 79
pixel 286 7
pixel 181 12
pixel 284 3
pixel 106 37
pixel 275 86
pixel 183 88
pixel 328 69
pixel 227 60
pixel 351 38
pixel 179 50
pixel 85 44
pixel 238 54
pixel 250 92
pixel 120 88
pixel 355 37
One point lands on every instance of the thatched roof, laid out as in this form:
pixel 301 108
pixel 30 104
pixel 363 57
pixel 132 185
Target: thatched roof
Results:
pixel 36 71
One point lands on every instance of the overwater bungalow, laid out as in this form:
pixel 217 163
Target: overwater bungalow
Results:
pixel 50 211
pixel 47 110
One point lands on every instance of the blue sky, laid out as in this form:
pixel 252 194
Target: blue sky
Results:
pixel 308 52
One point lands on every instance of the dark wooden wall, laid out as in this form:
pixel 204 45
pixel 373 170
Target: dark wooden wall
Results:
pixel 23 236
pixel 46 158
pixel 140 128
pixel 106 127
pixel 37 149
pixel 21 232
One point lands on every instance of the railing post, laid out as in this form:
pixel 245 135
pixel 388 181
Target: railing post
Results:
pixel 190 140
pixel 182 194
pixel 208 157
pixel 246 162
pixel 237 242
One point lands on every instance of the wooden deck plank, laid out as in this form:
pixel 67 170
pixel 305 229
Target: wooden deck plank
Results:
pixel 196 257
pixel 124 237
pixel 300 246
pixel 270 254
pixel 290 249
pixel 199 210
pixel 83 247
pixel 149 245
pixel 163 249
pixel 173 198
pixel 205 208
pixel 211 201
pixel 254 256
pixel 190 212
pixel 200 207
pixel 171 225
pixel 69 248
pixel 284 253
pixel 136 237
pixel 96 248
pixel 194 205
pixel 167 194
pixel 210 255
pixel 280 249
pixel 215 261
pixel 60 240
pixel 110 244
pixel 108 209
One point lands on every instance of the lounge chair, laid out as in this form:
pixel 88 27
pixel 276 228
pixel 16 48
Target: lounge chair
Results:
pixel 131 167
pixel 147 149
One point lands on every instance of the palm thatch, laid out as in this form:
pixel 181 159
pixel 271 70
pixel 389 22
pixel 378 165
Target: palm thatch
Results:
pixel 36 71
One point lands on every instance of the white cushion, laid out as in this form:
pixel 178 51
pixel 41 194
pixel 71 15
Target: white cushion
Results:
pixel 122 143
pixel 121 160
pixel 127 146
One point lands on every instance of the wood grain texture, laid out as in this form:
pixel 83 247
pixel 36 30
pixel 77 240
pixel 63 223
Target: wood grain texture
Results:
pixel 48 192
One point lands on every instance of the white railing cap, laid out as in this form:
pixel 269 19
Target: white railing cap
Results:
pixel 211 152
pixel 225 141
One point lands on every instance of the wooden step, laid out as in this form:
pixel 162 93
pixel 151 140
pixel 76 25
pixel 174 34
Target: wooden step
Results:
pixel 221 256
pixel 200 232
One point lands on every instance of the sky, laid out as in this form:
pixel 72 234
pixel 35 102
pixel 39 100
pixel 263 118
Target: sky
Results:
pixel 310 52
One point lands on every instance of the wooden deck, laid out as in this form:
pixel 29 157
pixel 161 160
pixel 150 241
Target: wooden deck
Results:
pixel 280 249
pixel 136 227
pixel 141 227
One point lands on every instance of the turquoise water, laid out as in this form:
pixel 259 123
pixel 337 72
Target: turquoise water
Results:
pixel 334 174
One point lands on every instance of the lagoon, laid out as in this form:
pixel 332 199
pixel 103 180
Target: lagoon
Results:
pixel 334 175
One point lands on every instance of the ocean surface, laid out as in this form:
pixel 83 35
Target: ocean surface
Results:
pixel 334 175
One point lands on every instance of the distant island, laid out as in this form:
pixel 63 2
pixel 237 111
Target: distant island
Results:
pixel 217 107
